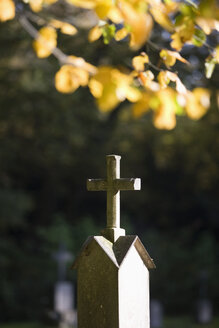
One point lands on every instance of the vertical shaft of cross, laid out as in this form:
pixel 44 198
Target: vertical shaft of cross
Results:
pixel 113 194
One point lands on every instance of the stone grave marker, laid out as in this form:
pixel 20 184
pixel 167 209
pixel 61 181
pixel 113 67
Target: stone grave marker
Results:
pixel 204 309
pixel 156 312
pixel 113 269
pixel 64 290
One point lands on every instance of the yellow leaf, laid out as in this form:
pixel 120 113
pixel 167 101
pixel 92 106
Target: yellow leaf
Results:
pixel 36 5
pixel 183 33
pixel 81 63
pixel 105 93
pixel 170 57
pixel 138 62
pixel 161 17
pixel 95 33
pixel 146 79
pixel 121 34
pixel 208 24
pixel 217 54
pixel 110 86
pixel 7 10
pixel 133 94
pixel 65 28
pixel 96 88
pixel 114 15
pixel 140 24
pixel 165 117
pixel 165 77
pixel 46 42
pixel 198 103
pixel 103 8
pixel 177 42
pixel 69 78
pixel 142 106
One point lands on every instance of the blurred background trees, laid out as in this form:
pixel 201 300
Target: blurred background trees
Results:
pixel 51 143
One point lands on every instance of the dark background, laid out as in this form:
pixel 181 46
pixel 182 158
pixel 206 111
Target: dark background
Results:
pixel 51 143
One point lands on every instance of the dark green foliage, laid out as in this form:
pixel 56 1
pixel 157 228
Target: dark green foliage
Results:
pixel 51 143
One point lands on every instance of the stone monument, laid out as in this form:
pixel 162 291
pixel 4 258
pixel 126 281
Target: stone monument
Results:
pixel 113 269
pixel 64 290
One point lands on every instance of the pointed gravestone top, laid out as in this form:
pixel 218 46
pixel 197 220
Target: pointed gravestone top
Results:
pixel 112 185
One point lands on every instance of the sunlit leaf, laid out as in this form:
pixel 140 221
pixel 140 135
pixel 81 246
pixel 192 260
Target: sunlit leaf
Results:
pixel 165 77
pixel 7 10
pixel 103 7
pixel 69 78
pixel 36 5
pixel 164 116
pixel 217 54
pixel 95 33
pixel 138 62
pixel 46 42
pixel 140 24
pixel 65 28
pixel 198 103
pixel 121 34
pixel 161 17
pixel 170 57
pixel 184 32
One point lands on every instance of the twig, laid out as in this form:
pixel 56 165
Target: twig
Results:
pixel 62 58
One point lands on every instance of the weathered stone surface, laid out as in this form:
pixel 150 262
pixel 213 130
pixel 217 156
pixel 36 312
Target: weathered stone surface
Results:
pixel 113 283
pixel 113 269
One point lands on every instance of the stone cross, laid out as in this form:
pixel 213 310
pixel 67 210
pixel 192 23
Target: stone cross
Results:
pixel 112 185
pixel 113 269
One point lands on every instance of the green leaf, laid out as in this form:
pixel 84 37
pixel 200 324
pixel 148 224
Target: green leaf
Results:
pixel 108 33
pixel 209 67
pixel 199 38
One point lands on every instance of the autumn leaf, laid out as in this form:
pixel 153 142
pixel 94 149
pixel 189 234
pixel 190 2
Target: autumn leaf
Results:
pixel 64 27
pixel 161 16
pixel 140 24
pixel 138 62
pixel 165 77
pixel 110 87
pixel 146 79
pixel 170 57
pixel 7 10
pixel 198 102
pixel 36 5
pixel 69 78
pixel 95 33
pixel 164 115
pixel 184 32
pixel 46 42
pixel 121 34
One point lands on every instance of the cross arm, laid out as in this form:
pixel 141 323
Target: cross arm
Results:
pixel 128 184
pixel 96 185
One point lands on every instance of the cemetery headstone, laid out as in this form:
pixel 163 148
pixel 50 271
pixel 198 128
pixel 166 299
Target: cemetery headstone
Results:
pixel 156 311
pixel 204 310
pixel 64 290
pixel 112 268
